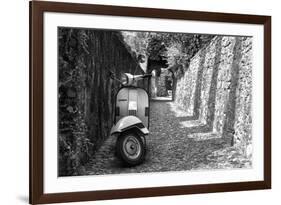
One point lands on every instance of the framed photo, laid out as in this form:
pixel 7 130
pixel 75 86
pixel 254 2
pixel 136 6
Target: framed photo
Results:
pixel 139 102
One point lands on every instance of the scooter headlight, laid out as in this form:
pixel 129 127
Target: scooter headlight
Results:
pixel 127 79
pixel 124 79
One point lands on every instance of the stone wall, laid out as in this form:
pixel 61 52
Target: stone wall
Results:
pixel 224 80
pixel 86 91
pixel 243 109
pixel 216 89
pixel 186 85
pixel 208 80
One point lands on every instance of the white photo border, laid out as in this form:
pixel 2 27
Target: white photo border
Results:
pixel 54 184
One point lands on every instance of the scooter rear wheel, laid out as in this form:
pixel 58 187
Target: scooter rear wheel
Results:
pixel 130 148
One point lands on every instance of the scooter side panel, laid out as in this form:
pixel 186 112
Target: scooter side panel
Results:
pixel 122 101
pixel 143 103
pixel 132 101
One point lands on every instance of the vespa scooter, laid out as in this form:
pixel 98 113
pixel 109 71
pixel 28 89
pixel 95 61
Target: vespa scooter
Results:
pixel 131 120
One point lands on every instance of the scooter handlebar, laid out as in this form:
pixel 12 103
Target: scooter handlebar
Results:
pixel 129 79
pixel 147 75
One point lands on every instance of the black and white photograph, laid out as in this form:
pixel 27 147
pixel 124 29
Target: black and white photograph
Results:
pixel 144 101
pixel 129 102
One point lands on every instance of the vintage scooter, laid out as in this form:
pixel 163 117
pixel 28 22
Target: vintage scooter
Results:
pixel 131 120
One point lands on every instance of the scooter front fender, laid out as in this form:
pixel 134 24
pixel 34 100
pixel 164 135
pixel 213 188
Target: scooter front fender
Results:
pixel 127 123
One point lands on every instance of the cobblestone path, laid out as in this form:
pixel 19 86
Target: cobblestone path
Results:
pixel 169 148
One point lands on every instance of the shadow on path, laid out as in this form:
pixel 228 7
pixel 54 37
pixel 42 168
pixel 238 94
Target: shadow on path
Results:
pixel 169 148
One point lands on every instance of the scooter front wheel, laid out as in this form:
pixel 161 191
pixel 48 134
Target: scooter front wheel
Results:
pixel 130 148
